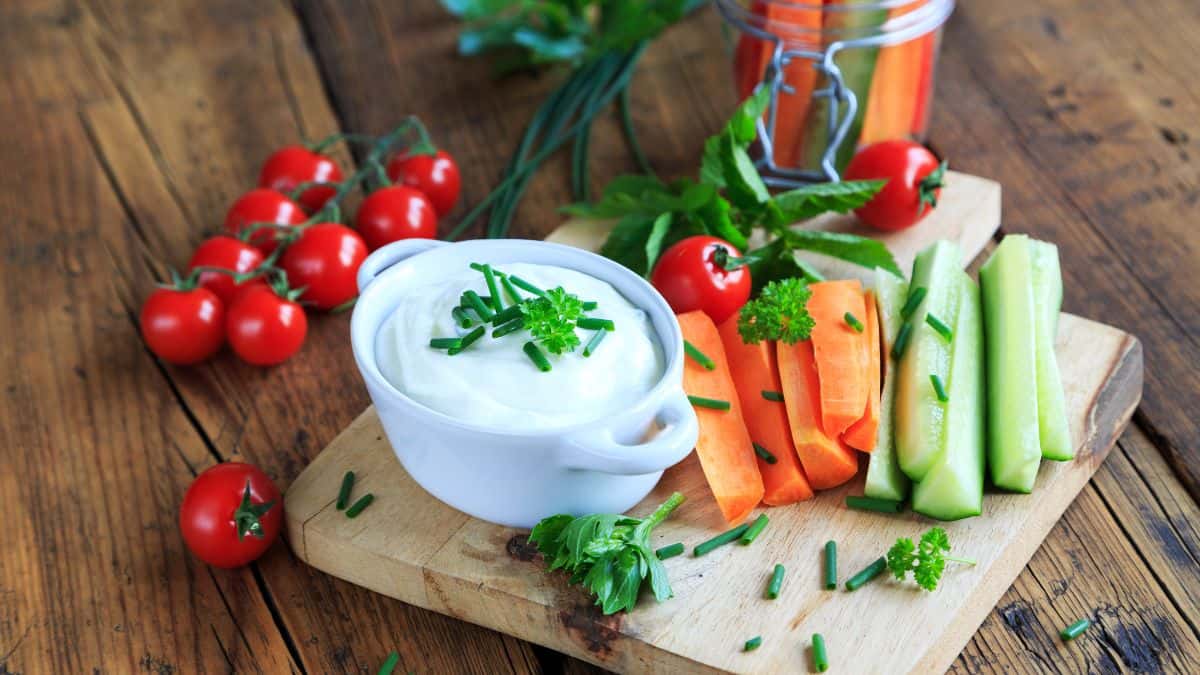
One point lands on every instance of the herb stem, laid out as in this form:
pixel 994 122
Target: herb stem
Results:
pixel 344 493
pixel 902 339
pixel 461 318
pixel 720 540
pixel 776 582
pixel 535 354
pixel 1074 630
pixel 597 338
pixel 489 278
pixel 390 664
pixel 467 340
pixel 764 453
pixel 820 658
pixel 698 356
pixel 358 506
pixel 939 388
pixel 445 343
pixel 713 403
pixel 914 301
pixel 830 565
pixel 663 511
pixel 752 644
pixel 525 285
pixel 669 551
pixel 939 326
pixel 853 322
pixel 776 396
pixel 755 529
pixel 507 328
pixel 873 504
pixel 476 303
pixel 869 572
pixel 590 323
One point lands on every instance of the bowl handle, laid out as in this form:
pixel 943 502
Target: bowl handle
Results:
pixel 594 450
pixel 389 255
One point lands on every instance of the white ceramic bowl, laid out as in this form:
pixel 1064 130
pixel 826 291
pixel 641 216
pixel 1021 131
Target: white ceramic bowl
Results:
pixel 517 478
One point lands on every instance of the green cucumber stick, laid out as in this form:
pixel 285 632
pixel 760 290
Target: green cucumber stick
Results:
pixel 1054 429
pixel 885 480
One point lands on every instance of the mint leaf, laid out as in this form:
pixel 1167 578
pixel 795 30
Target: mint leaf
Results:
pixel 744 187
pixel 774 262
pixel 712 170
pixel 627 243
pixel 813 200
pixel 862 251
pixel 743 126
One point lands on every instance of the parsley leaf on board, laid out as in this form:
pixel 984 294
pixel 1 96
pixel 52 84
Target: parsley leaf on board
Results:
pixel 926 560
pixel 778 313
pixel 550 320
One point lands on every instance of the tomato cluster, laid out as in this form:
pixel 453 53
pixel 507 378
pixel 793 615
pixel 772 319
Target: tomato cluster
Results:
pixel 284 248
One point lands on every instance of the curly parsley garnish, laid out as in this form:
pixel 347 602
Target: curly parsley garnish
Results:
pixel 926 560
pixel 550 320
pixel 778 313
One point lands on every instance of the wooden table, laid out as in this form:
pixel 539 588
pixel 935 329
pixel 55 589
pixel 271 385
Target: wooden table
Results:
pixel 127 127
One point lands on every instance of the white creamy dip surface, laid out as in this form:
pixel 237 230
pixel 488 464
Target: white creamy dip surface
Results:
pixel 493 383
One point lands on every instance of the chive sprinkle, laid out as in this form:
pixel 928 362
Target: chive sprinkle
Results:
pixel 389 665
pixel 513 296
pixel 755 529
pixel 344 493
pixel 764 453
pixel 776 396
pixel 870 572
pixel 853 322
pixel 941 328
pixel 820 658
pixel 525 285
pixel 476 303
pixel 1074 630
pixel 461 317
pixel 775 583
pixel 714 403
pixel 362 503
pixel 913 302
pixel 939 388
pixel 752 644
pixel 720 540
pixel 445 343
pixel 873 504
pixel 830 565
pixel 489 277
pixel 507 315
pixel 670 551
pixel 535 354
pixel 597 337
pixel 902 340
pixel 590 305
pixel 467 340
pixel 510 327
pixel 478 267
pixel 590 323
pixel 698 356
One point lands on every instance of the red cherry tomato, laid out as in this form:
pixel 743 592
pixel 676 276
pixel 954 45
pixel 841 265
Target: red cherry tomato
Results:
pixel 231 514
pixel 290 166
pixel 263 206
pixel 226 253
pixel 324 262
pixel 914 181
pixel 183 326
pixel 263 328
pixel 394 213
pixel 435 175
pixel 689 278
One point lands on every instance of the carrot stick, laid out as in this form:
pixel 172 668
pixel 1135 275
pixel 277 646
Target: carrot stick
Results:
pixel 862 434
pixel 924 93
pixel 894 98
pixel 754 371
pixel 841 353
pixel 801 30
pixel 724 447
pixel 827 461
pixel 750 57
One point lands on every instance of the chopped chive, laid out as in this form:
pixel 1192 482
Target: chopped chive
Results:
pixel 513 296
pixel 478 267
pixel 698 356
pixel 1074 630
pixel 597 338
pixel 714 403
pixel 389 665
pixel 344 493
pixel 489 277
pixel 941 328
pixel 830 565
pixel 776 396
pixel 764 453
pixel 670 551
pixel 939 388
pixel 446 343
pixel 755 529
pixel 870 572
pixel 752 644
pixel 590 323
pixel 461 318
pixel 913 302
pixel 853 322
pixel 467 340
pixel 775 583
pixel 507 315
pixel 873 504
pixel 720 540
pixel 820 658
pixel 510 327
pixel 535 354
pixel 902 340
pixel 525 285
pixel 476 303
pixel 590 305
pixel 358 506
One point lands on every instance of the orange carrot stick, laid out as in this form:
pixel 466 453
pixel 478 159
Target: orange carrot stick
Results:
pixel 841 353
pixel 862 434
pixel 801 30
pixel 827 461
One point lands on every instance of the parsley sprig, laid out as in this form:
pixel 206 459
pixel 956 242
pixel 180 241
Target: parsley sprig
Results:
pixel 778 313
pixel 550 320
pixel 926 560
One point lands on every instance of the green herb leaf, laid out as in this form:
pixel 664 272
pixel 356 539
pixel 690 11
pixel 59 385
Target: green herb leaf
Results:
pixel 743 185
pixel 862 251
pixel 775 262
pixel 779 313
pixel 813 200
pixel 627 242
pixel 926 561
pixel 716 218
pixel 658 231
pixel 550 319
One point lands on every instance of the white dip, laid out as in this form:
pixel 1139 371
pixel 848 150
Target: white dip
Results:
pixel 493 383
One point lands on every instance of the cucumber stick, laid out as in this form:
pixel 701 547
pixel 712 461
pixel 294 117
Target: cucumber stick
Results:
pixel 1014 444
pixel 918 415
pixel 885 480
pixel 1054 430
pixel 953 486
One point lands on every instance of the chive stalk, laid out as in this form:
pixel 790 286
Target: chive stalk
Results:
pixel 853 322
pixel 698 356
pixel 589 305
pixel 872 504
pixel 461 317
pixel 390 664
pixel 913 302
pixel 820 658
pixel 344 493
pixel 590 323
pixel 941 328
pixel 467 340
pixel 510 327
pixel 902 339
pixel 714 403
pixel 535 354
pixel 764 453
pixel 513 296
pixel 507 315
pixel 776 396
pixel 597 338
pixel 445 343
pixel 869 572
pixel 720 540
pixel 752 644
pixel 939 388
pixel 358 506
pixel 525 285
pixel 476 303
pixel 670 551
pixel 1074 630
pixel 776 582
pixel 830 565
pixel 489 277
pixel 755 529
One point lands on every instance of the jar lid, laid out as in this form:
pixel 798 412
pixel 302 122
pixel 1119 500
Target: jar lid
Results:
pixel 810 25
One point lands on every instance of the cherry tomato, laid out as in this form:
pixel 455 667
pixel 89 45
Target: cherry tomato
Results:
pixel 689 278
pixel 434 175
pixel 231 514
pixel 393 213
pixel 227 253
pixel 263 206
pixel 324 262
pixel 914 181
pixel 183 326
pixel 264 328
pixel 290 166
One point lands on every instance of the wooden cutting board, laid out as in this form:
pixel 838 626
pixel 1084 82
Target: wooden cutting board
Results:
pixel 410 546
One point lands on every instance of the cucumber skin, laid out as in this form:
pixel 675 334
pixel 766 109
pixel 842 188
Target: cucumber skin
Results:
pixel 885 480
pixel 919 417
pixel 1053 427
pixel 1014 444
pixel 953 486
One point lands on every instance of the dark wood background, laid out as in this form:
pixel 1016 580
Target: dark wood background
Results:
pixel 128 126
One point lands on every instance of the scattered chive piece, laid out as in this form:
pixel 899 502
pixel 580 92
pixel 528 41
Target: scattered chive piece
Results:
pixel 344 493
pixel 590 323
pixel 521 283
pixel 445 343
pixel 597 337
pixel 775 583
pixel 1074 630
pixel 513 296
pixel 755 529
pixel 764 453
pixel 941 328
pixel 590 305
pixel 714 403
pixel 467 340
pixel 510 327
pixel 853 322
pixel 507 315
pixel 939 388
pixel 776 396
pixel 870 572
pixel 461 318
pixel 489 277
pixel 720 540
pixel 913 302
pixel 820 658
pixel 752 644
pixel 362 503
pixel 389 665
pixel 830 565
pixel 539 359
pixel 478 267
pixel 476 303
pixel 670 551
pixel 902 340
pixel 698 356
pixel 873 504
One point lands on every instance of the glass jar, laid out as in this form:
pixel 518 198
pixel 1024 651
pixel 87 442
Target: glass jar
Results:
pixel 841 74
